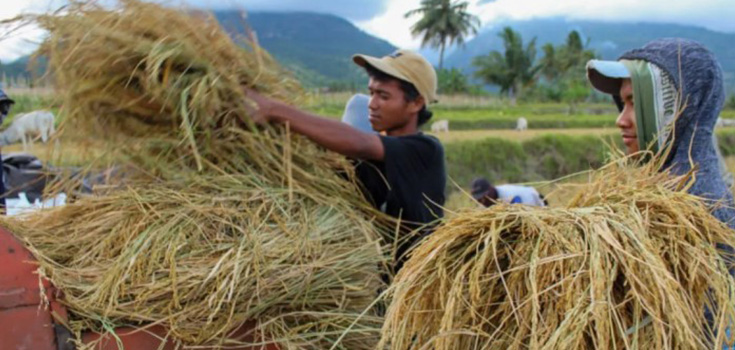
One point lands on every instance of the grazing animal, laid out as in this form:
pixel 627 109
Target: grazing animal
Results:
pixel 440 126
pixel 723 122
pixel 521 124
pixel 27 125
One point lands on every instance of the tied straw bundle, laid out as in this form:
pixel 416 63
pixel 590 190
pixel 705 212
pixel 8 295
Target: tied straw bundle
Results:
pixel 632 262
pixel 203 257
pixel 230 223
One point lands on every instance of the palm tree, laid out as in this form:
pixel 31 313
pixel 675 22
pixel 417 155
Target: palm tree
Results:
pixel 571 56
pixel 512 70
pixel 563 67
pixel 443 23
pixel 575 52
pixel 549 64
pixel 452 81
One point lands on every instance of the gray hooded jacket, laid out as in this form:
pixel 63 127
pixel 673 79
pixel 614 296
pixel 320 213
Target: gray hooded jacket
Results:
pixel 698 77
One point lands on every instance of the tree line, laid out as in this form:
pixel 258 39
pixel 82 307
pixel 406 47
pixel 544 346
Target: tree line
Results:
pixel 559 75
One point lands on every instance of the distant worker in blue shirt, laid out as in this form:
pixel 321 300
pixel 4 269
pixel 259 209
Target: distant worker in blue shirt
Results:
pixel 487 194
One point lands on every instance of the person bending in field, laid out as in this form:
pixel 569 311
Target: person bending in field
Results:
pixel 487 194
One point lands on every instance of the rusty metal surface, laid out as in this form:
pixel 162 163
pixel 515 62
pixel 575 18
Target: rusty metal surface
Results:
pixel 26 328
pixel 24 323
pixel 18 280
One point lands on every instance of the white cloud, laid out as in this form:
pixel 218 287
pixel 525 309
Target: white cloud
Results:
pixel 385 18
pixel 394 27
pixel 716 15
pixel 14 41
pixel 22 42
pixel 391 25
pixel 713 14
pixel 356 10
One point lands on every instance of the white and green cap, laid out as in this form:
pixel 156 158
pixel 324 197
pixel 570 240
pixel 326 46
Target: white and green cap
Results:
pixel 607 76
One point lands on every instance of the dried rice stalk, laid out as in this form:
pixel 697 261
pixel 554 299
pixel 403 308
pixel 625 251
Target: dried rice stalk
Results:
pixel 204 256
pixel 162 85
pixel 631 263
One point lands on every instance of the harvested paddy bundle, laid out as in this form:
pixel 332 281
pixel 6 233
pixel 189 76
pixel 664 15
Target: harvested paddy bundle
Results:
pixel 229 222
pixel 631 263
pixel 160 83
pixel 206 255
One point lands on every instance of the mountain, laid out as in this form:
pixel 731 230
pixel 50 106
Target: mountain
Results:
pixel 608 39
pixel 19 71
pixel 17 68
pixel 318 47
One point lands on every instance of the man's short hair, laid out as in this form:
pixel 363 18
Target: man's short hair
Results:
pixel 481 187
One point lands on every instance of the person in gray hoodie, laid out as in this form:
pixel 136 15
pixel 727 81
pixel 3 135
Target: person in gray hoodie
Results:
pixel 670 93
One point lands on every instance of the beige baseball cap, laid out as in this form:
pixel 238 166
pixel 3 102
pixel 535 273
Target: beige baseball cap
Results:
pixel 405 65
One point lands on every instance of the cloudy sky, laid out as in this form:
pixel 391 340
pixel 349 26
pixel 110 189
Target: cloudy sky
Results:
pixel 384 18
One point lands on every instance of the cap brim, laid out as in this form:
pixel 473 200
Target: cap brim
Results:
pixel 607 76
pixel 377 63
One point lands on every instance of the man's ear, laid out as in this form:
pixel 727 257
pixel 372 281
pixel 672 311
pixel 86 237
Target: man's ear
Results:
pixel 416 105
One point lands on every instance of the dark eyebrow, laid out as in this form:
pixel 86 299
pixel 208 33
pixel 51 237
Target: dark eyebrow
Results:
pixel 379 91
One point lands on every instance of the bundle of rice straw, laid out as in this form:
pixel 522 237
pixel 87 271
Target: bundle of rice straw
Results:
pixel 206 255
pixel 162 84
pixel 630 263
pixel 230 223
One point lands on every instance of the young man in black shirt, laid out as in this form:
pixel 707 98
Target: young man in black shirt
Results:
pixel 401 169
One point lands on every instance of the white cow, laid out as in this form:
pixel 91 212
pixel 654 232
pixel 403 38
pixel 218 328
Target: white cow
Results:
pixel 27 125
pixel 724 122
pixel 440 126
pixel 521 124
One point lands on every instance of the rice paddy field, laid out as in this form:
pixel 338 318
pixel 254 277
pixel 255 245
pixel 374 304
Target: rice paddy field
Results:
pixel 75 152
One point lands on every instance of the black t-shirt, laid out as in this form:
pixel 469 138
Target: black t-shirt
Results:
pixel 408 184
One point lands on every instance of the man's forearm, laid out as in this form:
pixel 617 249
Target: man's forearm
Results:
pixel 331 134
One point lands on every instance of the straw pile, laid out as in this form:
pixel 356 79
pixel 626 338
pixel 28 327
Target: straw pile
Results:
pixel 226 222
pixel 164 87
pixel 206 255
pixel 630 263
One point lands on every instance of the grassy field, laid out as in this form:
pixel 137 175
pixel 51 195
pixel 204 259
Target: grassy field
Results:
pixel 466 135
pixel 74 153
pixel 556 192
pixel 556 144
pixel 462 112
pixel 473 113
pixel 470 113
